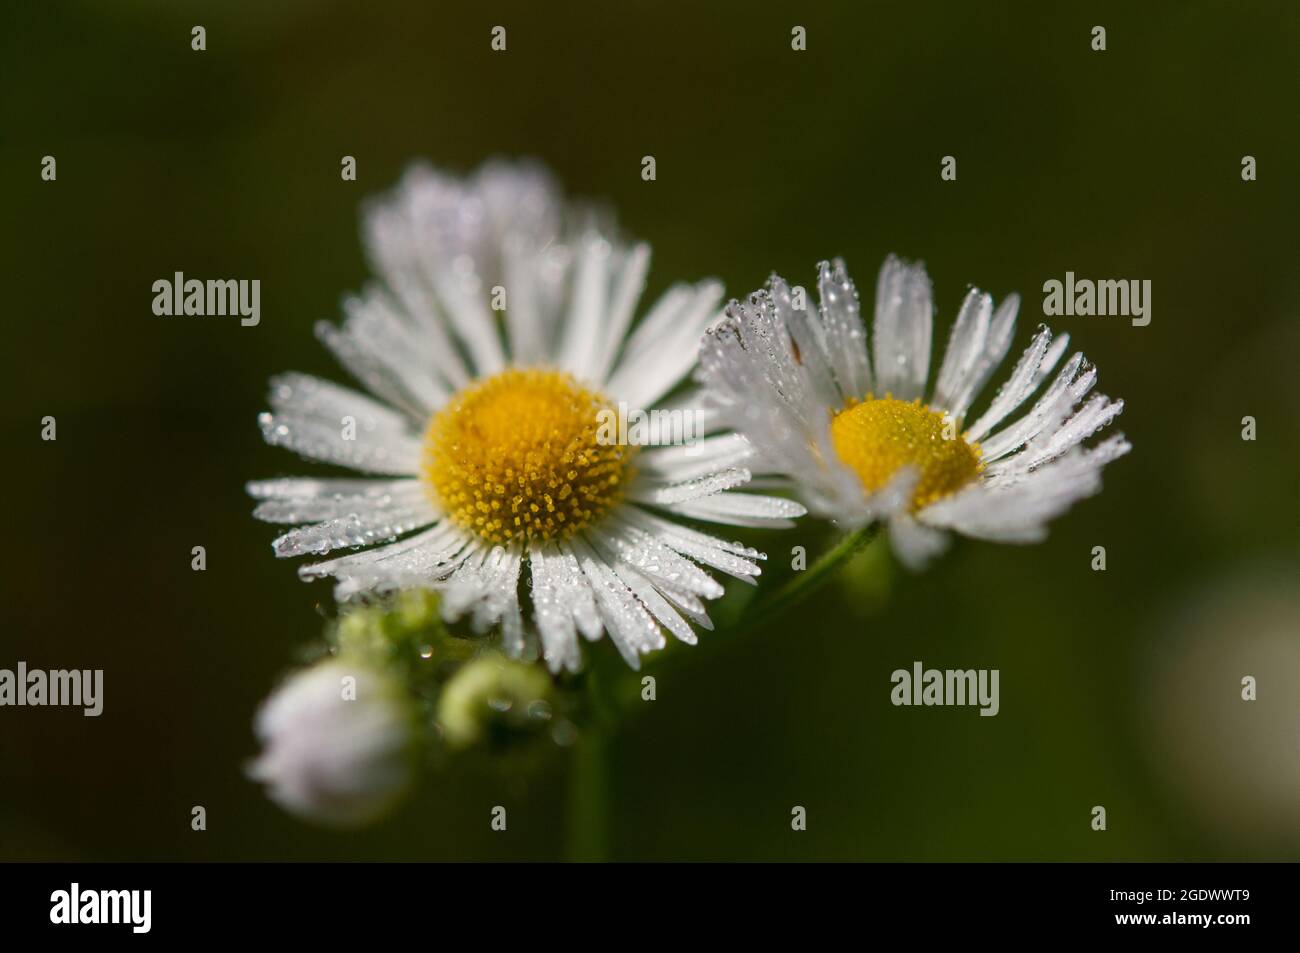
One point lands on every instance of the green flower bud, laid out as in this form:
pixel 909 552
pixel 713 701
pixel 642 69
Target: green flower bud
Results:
pixel 491 696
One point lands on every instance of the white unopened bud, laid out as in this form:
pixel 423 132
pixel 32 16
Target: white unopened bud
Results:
pixel 338 744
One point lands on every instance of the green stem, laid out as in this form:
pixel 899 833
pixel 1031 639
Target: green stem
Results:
pixel 810 580
pixel 588 817
pixel 588 810
pixel 761 609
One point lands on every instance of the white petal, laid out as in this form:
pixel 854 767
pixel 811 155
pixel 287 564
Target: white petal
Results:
pixel 843 332
pixel 301 395
pixel 666 567
pixel 902 329
pixel 1022 382
pixel 966 346
pixel 764 390
pixel 649 369
pixel 526 326
pixel 372 451
pixel 382 496
pixel 1002 329
pixel 355 529
pixel 731 558
pixel 657 605
pixel 667 528
pixel 499 602
pixel 741 509
pixel 648 490
pixel 392 338
pixel 311 490
pixel 894 497
pixel 1095 415
pixel 552 615
pixel 580 345
pixel 1048 412
pixel 696 459
pixel 465 584
pixel 808 337
pixel 914 543
pixel 575 591
pixel 631 627
pixel 464 301
pixel 400 361
pixel 657 325
pixel 1050 357
pixel 628 286
pixel 688 605
pixel 1019 512
pixel 417 560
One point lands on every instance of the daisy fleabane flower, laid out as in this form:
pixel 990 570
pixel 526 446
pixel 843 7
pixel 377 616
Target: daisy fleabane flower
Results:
pixel 855 437
pixel 486 439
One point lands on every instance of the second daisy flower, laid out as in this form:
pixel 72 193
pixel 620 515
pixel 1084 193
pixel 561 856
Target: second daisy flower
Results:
pixel 847 423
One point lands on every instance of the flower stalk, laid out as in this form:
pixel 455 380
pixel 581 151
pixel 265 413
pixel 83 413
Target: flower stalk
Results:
pixel 587 831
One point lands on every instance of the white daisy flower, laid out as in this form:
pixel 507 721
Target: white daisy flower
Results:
pixel 487 448
pixel 855 438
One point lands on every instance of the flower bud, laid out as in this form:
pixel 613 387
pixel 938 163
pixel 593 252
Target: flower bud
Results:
pixel 494 693
pixel 338 744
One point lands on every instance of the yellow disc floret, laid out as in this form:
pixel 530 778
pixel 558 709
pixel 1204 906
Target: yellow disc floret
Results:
pixel 517 456
pixel 877 436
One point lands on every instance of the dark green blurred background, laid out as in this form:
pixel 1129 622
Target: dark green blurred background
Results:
pixel 1118 688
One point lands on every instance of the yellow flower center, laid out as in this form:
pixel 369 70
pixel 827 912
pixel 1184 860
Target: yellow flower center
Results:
pixel 516 456
pixel 877 436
